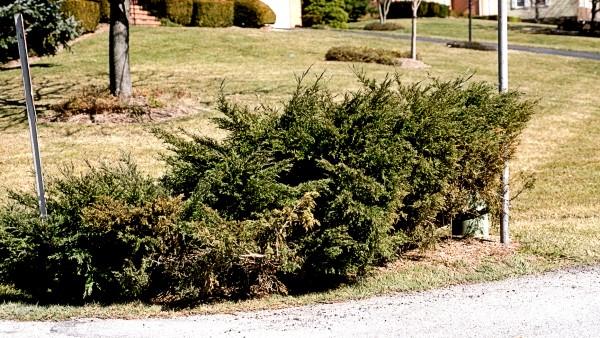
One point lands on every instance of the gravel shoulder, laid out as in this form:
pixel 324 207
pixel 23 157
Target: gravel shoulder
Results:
pixel 558 304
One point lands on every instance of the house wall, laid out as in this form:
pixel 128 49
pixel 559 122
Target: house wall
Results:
pixel 288 13
pixel 554 9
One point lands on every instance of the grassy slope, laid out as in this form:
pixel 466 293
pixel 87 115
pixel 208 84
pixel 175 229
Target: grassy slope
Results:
pixel 556 222
pixel 486 30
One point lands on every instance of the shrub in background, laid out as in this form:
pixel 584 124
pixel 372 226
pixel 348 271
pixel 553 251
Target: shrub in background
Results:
pixel 179 11
pixel 356 9
pixel 86 12
pixel 388 26
pixel 365 54
pixel 213 13
pixel 252 13
pixel 403 9
pixel 48 28
pixel 324 12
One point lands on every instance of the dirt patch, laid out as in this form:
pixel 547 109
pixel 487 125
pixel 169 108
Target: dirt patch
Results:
pixel 412 64
pixel 467 253
pixel 95 105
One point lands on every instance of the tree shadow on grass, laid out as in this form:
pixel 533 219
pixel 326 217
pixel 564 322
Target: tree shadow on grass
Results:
pixel 12 100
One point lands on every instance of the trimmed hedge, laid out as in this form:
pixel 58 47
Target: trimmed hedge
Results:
pixel 403 9
pixel 365 54
pixel 104 10
pixel 388 26
pixel 252 13
pixel 213 13
pixel 87 13
pixel 179 11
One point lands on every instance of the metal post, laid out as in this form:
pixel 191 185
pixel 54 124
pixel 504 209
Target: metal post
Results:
pixel 31 114
pixel 503 87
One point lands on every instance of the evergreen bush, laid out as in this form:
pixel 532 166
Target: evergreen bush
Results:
pixel 324 12
pixel 318 191
pixel 252 13
pixel 48 28
pixel 356 9
pixel 213 13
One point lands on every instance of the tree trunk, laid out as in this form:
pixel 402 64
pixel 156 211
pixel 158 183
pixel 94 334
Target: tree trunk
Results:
pixel 413 36
pixel 380 5
pixel 537 11
pixel 120 77
pixel 470 21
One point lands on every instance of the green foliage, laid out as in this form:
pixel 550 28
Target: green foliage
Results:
pixel 86 12
pixel 179 11
pixel 321 190
pixel 390 163
pixel 365 54
pixel 388 26
pixel 324 12
pixel 213 13
pixel 403 9
pixel 356 9
pixel 252 13
pixel 100 240
pixel 48 28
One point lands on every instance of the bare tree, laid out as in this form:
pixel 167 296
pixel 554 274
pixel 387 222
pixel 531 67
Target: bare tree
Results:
pixel 384 7
pixel 120 77
pixel 413 46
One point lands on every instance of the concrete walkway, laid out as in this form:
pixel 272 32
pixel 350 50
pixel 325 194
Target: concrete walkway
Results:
pixel 521 48
pixel 558 304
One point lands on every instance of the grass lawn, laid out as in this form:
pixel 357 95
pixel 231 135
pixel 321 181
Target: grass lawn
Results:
pixel 486 31
pixel 555 224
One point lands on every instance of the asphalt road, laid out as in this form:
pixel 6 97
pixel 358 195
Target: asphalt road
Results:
pixel 558 304
pixel 521 48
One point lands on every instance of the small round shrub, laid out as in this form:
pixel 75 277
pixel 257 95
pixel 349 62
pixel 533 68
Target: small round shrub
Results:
pixel 252 13
pixel 365 54
pixel 388 26
pixel 322 12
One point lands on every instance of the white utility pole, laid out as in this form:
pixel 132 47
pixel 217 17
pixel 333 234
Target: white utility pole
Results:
pixel 503 87
pixel 31 114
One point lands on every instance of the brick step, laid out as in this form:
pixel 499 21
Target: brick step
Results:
pixel 141 17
